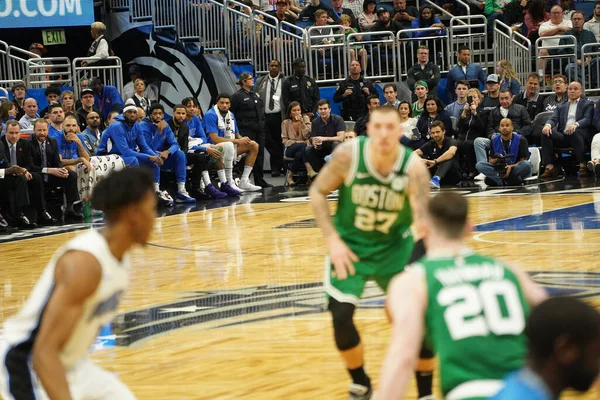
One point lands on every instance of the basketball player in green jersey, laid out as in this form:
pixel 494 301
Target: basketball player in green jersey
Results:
pixel 472 309
pixel 383 186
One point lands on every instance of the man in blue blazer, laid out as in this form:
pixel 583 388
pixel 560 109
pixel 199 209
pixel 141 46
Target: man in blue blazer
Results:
pixel 465 71
pixel 568 126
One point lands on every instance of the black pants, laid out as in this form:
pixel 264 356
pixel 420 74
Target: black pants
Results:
pixel 297 151
pixel 200 162
pixel 14 194
pixel 256 131
pixel 316 157
pixel 448 171
pixel 69 186
pixel 468 150
pixel 37 196
pixel 273 140
pixel 576 141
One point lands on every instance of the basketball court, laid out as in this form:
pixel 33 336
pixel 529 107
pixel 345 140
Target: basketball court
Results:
pixel 226 300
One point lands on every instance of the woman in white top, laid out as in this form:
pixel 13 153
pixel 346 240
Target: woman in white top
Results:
pixel 100 48
pixel 367 19
pixel 407 122
pixel 138 97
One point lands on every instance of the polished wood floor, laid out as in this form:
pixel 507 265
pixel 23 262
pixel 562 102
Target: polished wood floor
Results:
pixel 237 247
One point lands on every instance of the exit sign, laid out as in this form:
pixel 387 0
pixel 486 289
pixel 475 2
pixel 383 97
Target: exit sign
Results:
pixel 54 36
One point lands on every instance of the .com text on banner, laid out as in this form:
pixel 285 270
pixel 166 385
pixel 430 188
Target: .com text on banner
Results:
pixel 45 13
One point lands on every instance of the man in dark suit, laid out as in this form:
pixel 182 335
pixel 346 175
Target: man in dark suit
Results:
pixel 21 149
pixel 13 193
pixel 46 161
pixel 516 113
pixel 568 126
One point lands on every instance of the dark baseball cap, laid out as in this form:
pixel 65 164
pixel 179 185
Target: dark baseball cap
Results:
pixel 86 91
pixel 382 10
pixel 134 69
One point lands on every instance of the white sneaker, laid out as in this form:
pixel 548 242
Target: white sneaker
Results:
pixel 480 177
pixel 233 185
pixel 246 186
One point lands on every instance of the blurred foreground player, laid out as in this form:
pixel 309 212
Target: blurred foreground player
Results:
pixel 45 355
pixel 383 186
pixel 473 309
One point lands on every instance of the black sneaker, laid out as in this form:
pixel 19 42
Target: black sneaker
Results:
pixel 359 392
pixel 490 182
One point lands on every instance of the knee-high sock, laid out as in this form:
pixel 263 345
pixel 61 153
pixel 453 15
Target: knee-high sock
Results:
pixel 206 178
pixel 228 157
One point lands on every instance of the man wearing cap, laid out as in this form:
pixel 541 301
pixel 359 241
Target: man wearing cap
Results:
pixel 385 23
pixel 249 112
pixel 465 71
pixel 352 92
pixel 421 91
pixel 491 100
pixel 301 88
pixel 424 70
pixel 52 94
pixel 87 106
pixel 151 92
pixel 282 13
pixel 106 98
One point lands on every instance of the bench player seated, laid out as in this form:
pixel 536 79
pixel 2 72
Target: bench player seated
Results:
pixel 125 138
pixel 161 140
pixel 221 128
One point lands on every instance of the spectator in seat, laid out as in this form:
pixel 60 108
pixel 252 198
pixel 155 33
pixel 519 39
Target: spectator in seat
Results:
pixel 424 70
pixel 434 111
pixel 440 156
pixel 568 126
pixel 361 124
pixel 515 112
pixel 67 101
pixel 428 20
pixel 100 48
pixel 593 25
pixel 352 92
pixel 283 13
pixel 509 149
pixel 141 114
pixel 530 98
pixel 8 112
pixel 465 70
pixel 559 84
pixel 491 100
pixel 295 134
pixel 368 18
pixel 52 94
pixel 337 11
pixel 357 52
pixel 221 127
pixel 508 77
pixel 31 108
pixel 161 140
pixel 301 88
pixel 421 92
pixel 384 23
pixel 45 155
pixel 390 92
pixel 408 123
pixel 470 126
pixel 129 90
pixel 455 109
pixel 139 97
pixel 91 134
pixel 583 37
pixel 404 14
pixel 111 118
pixel 19 91
pixel 557 25
pixel 308 14
pixel 87 106
pixel 106 98
pixel 535 17
pixel 19 153
pixel 13 191
pixel 326 131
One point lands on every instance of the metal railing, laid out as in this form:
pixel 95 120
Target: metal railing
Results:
pixel 511 45
pixel 381 46
pixel 13 63
pixel 188 16
pixel 327 57
pixel 3 95
pixel 590 83
pixel 163 14
pixel 141 10
pixel 213 26
pixel 268 44
pixel 117 4
pixel 407 49
pixel 293 45
pixel 471 31
pixel 42 72
pixel 558 56
pixel 111 74
pixel 242 32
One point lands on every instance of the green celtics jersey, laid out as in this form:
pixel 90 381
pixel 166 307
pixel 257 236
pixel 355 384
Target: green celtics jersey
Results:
pixel 373 215
pixel 475 321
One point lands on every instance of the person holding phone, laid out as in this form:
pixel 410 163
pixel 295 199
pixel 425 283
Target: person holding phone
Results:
pixel 295 132
pixel 471 124
pixel 454 109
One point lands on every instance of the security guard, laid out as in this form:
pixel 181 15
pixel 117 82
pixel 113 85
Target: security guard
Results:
pixel 353 93
pixel 301 88
pixel 249 113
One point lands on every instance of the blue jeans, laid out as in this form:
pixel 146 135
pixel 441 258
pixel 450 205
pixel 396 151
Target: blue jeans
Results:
pixel 516 176
pixel 481 146
pixel 174 163
pixel 591 76
pixel 297 151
